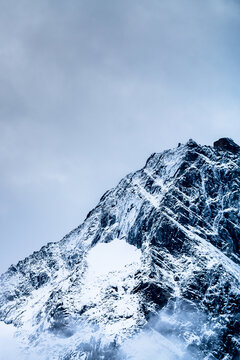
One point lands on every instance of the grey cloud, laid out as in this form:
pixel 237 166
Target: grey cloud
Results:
pixel 89 89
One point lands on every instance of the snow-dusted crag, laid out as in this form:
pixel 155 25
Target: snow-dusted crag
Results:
pixel 158 259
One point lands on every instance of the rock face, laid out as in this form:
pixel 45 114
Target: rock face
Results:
pixel 164 244
pixel 227 144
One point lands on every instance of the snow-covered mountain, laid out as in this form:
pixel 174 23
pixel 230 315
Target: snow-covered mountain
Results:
pixel 152 273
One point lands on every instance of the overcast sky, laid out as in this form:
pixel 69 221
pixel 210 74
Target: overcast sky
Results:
pixel 89 89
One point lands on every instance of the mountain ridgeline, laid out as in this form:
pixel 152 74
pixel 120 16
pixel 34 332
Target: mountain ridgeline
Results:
pixel 158 258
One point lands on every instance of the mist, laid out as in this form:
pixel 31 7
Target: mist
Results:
pixel 178 332
pixel 10 348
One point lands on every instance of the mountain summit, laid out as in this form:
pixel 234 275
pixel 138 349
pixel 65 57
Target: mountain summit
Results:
pixel 227 144
pixel 152 273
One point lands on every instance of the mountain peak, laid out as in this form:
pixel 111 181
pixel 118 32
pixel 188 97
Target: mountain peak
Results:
pixel 226 144
pixel 162 245
pixel 191 143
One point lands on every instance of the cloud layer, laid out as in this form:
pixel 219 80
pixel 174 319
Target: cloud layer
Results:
pixel 89 89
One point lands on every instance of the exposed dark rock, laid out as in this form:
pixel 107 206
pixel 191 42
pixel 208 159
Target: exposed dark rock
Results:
pixel 226 144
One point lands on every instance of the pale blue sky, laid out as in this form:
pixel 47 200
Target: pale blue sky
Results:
pixel 89 89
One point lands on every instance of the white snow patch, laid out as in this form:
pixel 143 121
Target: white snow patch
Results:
pixel 113 256
pixel 107 284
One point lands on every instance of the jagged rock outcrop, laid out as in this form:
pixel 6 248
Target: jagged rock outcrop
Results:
pixel 165 240
pixel 227 144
